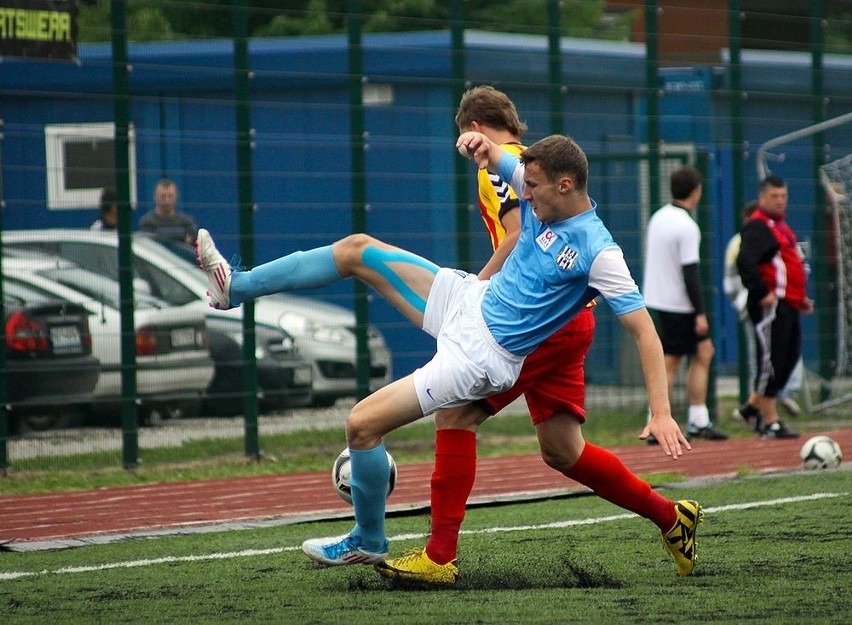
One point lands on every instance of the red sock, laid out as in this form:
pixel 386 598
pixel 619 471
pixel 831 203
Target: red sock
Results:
pixel 452 481
pixel 607 476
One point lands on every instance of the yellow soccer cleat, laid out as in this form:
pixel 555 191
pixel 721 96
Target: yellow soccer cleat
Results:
pixel 680 539
pixel 415 566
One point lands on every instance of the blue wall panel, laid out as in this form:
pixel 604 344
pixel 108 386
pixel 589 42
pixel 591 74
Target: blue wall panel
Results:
pixel 182 113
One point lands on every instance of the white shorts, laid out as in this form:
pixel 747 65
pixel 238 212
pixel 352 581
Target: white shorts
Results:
pixel 468 364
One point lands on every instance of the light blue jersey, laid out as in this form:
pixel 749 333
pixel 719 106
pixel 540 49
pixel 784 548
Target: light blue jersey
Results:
pixel 556 269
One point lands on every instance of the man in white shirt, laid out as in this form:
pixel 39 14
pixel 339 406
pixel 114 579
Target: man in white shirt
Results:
pixel 672 289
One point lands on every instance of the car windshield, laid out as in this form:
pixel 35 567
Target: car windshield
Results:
pixel 97 287
pixel 100 258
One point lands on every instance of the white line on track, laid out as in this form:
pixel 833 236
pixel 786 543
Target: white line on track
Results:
pixel 12 575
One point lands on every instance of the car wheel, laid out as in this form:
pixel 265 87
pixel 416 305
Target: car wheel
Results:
pixel 41 421
pixel 185 410
pixel 324 401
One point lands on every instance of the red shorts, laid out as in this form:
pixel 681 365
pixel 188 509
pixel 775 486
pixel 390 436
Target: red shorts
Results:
pixel 552 379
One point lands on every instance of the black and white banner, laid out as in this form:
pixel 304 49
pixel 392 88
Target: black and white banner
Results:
pixel 45 29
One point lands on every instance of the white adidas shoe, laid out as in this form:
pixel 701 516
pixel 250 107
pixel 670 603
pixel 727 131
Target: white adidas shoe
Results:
pixel 217 269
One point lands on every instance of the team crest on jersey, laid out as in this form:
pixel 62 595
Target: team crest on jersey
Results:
pixel 546 239
pixel 566 258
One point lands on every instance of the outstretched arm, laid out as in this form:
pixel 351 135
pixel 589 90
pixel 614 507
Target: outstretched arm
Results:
pixel 664 428
pixel 512 223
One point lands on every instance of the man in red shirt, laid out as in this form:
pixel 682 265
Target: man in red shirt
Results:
pixel 772 269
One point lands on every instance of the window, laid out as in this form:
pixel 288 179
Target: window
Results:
pixel 81 162
pixel 377 95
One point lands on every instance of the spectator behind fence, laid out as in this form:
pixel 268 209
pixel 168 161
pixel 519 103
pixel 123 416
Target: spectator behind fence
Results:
pixel 738 296
pixel 108 219
pixel 165 221
pixel 772 269
pixel 672 289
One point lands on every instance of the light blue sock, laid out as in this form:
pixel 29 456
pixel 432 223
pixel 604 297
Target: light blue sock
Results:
pixel 299 270
pixel 369 481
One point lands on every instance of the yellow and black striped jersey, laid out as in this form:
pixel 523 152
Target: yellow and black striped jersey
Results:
pixel 496 198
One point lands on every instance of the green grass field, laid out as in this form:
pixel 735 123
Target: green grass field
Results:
pixel 772 549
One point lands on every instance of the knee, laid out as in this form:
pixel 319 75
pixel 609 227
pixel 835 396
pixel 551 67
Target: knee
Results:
pixel 348 251
pixel 559 459
pixel 360 433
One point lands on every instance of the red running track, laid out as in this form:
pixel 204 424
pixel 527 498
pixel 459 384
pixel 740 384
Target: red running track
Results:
pixel 108 512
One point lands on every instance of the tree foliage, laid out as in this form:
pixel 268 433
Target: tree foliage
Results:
pixel 154 20
pixel 187 19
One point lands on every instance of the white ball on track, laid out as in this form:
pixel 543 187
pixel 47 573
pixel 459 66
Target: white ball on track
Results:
pixel 820 452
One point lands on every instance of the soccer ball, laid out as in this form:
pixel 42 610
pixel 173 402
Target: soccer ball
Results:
pixel 820 452
pixel 341 474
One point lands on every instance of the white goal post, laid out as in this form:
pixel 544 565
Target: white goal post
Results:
pixel 763 152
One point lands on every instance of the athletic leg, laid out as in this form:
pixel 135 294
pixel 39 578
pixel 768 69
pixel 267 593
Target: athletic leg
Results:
pixel 452 477
pixel 672 364
pixel 564 449
pixel 548 387
pixel 765 387
pixel 784 353
pixel 698 373
pixel 699 423
pixel 388 408
pixel 452 481
pixel 403 278
pixel 299 270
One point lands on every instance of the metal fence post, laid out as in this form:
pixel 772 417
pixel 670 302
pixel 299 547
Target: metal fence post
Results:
pixel 121 105
pixel 460 166
pixel 357 143
pixel 737 156
pixel 242 110
pixel 555 66
pixel 705 223
pixel 4 414
pixel 652 62
pixel 825 294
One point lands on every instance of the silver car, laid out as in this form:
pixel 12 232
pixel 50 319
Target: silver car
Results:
pixel 173 359
pixel 50 371
pixel 324 333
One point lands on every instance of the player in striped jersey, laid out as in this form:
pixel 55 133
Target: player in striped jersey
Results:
pixel 564 257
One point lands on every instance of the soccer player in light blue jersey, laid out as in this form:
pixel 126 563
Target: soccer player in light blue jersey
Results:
pixel 564 257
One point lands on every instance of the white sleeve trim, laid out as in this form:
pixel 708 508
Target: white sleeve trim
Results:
pixel 609 274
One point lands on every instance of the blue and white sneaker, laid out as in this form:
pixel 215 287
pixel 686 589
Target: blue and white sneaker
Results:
pixel 341 550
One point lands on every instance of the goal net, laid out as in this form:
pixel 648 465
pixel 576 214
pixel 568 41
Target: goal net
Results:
pixel 836 180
